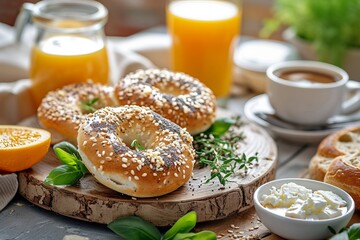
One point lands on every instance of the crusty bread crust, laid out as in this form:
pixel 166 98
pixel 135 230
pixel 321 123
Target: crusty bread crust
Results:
pixel 337 161
pixel 343 142
pixel 344 172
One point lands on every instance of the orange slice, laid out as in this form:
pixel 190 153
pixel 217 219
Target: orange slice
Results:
pixel 22 147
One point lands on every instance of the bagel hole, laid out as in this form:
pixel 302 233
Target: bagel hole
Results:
pixel 90 105
pixel 139 143
pixel 172 90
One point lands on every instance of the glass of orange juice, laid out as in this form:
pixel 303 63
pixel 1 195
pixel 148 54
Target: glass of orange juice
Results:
pixel 204 34
pixel 70 45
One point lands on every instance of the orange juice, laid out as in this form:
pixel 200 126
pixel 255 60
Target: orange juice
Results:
pixel 204 34
pixel 62 60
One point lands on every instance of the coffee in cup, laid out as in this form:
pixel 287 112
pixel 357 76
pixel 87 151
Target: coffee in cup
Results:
pixel 309 92
pixel 308 77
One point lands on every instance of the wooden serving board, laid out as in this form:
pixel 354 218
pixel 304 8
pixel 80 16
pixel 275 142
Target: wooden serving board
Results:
pixel 91 201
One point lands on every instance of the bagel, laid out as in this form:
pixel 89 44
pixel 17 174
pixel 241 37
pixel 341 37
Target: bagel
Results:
pixel 175 96
pixel 165 164
pixel 62 110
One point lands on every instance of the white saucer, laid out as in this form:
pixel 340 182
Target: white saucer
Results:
pixel 261 103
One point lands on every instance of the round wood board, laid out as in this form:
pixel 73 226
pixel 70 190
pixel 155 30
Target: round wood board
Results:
pixel 91 201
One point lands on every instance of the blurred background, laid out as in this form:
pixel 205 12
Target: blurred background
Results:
pixel 127 17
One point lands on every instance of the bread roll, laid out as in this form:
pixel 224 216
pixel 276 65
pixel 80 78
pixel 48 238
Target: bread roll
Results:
pixel 340 143
pixel 344 172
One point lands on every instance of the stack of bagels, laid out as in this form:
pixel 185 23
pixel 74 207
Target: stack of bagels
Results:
pixel 135 137
pixel 337 161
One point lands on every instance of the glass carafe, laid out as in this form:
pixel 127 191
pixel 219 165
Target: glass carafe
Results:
pixel 69 46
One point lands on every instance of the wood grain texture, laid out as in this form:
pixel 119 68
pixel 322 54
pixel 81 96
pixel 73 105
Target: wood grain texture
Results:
pixel 91 201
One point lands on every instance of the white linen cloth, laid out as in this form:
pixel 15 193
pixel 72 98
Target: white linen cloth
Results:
pixel 143 50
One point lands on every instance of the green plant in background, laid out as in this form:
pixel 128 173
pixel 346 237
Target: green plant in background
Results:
pixel 331 25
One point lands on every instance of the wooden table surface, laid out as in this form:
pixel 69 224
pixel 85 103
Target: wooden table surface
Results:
pixel 23 220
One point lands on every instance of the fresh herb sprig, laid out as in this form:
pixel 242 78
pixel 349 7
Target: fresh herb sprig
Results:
pixel 351 233
pixel 88 106
pixel 135 228
pixel 218 149
pixel 72 169
pixel 136 145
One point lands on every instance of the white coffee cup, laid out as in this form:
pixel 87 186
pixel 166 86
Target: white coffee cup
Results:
pixel 313 101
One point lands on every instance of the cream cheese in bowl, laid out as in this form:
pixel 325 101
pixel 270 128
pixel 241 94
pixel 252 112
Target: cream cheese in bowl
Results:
pixel 296 208
pixel 296 201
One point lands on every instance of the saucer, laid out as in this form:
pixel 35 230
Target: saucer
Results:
pixel 261 103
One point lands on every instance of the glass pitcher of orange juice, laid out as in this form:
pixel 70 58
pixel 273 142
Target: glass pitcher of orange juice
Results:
pixel 69 46
pixel 204 34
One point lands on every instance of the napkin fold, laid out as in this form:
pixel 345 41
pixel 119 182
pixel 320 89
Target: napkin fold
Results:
pixel 8 188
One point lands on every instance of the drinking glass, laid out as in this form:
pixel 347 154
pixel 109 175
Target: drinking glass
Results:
pixel 204 34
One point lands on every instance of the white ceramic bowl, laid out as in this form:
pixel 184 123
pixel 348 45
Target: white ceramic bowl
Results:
pixel 291 228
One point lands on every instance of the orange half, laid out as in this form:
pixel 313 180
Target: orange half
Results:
pixel 22 147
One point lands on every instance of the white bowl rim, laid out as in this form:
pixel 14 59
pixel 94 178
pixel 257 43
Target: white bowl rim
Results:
pixel 350 207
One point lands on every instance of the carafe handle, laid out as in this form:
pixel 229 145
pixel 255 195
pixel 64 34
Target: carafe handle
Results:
pixel 23 19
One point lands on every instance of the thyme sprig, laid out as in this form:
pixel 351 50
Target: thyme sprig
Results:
pixel 218 149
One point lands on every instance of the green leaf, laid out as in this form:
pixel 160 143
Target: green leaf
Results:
pixel 135 144
pixel 220 126
pixel 69 148
pixel 183 236
pixel 73 168
pixel 340 236
pixel 81 167
pixel 134 228
pixel 64 175
pixel 182 225
pixel 204 235
pixel 354 231
pixel 65 157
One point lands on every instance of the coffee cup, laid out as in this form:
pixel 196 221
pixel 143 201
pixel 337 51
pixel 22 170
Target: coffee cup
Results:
pixel 310 92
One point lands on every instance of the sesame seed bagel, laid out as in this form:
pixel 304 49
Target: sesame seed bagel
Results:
pixel 62 110
pixel 165 164
pixel 175 96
